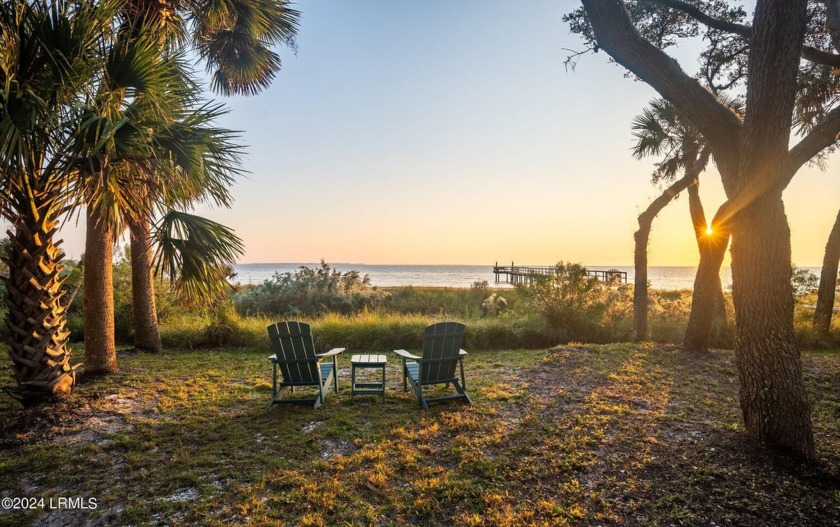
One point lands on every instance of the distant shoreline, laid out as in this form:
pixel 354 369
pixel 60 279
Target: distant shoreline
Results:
pixel 661 278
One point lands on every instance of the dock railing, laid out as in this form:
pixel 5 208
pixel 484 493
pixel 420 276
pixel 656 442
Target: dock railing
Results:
pixel 526 274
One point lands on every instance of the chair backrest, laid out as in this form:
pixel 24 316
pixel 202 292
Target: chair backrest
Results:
pixel 441 344
pixel 291 342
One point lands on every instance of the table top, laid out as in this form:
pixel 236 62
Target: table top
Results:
pixel 368 359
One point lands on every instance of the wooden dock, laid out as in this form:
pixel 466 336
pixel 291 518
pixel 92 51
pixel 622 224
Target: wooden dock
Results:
pixel 522 274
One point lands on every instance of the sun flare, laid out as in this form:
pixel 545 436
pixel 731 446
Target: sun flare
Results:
pixel 708 231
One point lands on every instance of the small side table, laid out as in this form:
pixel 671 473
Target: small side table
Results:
pixel 367 388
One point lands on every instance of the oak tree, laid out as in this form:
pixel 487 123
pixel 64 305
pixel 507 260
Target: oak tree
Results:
pixel 755 161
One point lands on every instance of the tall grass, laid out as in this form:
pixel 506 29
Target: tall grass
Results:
pixel 465 302
pixel 375 331
pixel 345 311
pixel 383 330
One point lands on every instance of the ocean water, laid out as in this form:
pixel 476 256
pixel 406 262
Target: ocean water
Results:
pixel 660 277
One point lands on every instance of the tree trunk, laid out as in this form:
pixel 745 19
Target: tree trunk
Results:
pixel 100 347
pixel 36 335
pixel 828 280
pixel 753 158
pixel 640 285
pixel 708 308
pixel 774 401
pixel 642 236
pixel 146 330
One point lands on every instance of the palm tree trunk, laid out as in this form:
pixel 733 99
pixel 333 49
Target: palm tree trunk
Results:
pixel 640 285
pixel 100 347
pixel 640 288
pixel 146 330
pixel 828 280
pixel 707 319
pixel 36 335
pixel 694 167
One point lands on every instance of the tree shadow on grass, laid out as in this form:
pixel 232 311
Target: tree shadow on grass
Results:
pixel 632 434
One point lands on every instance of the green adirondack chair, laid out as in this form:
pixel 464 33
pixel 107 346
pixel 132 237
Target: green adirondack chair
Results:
pixel 442 354
pixel 299 365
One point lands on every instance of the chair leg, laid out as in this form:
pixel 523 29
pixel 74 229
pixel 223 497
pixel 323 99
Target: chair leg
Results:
pixel 320 398
pixel 335 374
pixel 418 391
pixel 462 391
pixel 275 399
pixel 423 404
pixel 273 387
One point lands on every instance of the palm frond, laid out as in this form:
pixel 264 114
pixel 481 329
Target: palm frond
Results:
pixel 205 159
pixel 235 38
pixel 195 253
pixel 659 131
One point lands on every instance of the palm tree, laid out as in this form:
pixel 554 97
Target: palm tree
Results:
pixel 52 53
pixel 78 110
pixel 140 92
pixel 660 131
pixel 208 163
pixel 235 39
pixel 149 143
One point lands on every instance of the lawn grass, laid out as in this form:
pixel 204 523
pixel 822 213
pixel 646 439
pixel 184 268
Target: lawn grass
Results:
pixel 581 434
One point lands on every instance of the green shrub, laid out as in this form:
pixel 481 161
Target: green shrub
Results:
pixel 165 302
pixel 569 300
pixel 76 325
pixel 123 314
pixel 668 314
pixel 803 281
pixel 309 292
pixel 616 323
pixel 439 301
pixel 217 328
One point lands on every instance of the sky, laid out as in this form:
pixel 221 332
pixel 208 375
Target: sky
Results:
pixel 451 132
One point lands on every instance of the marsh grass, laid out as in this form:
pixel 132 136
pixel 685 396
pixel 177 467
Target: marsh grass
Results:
pixel 371 331
pixel 580 434
pixel 399 322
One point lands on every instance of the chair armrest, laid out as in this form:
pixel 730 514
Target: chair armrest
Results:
pixel 461 353
pixel 334 351
pixel 275 360
pixel 406 355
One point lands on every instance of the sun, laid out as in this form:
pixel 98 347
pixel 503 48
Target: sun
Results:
pixel 708 231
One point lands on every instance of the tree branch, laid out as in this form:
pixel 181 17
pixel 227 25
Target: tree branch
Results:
pixel 703 18
pixel 832 21
pixel 819 56
pixel 809 53
pixel 689 179
pixel 616 34
pixel 821 136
